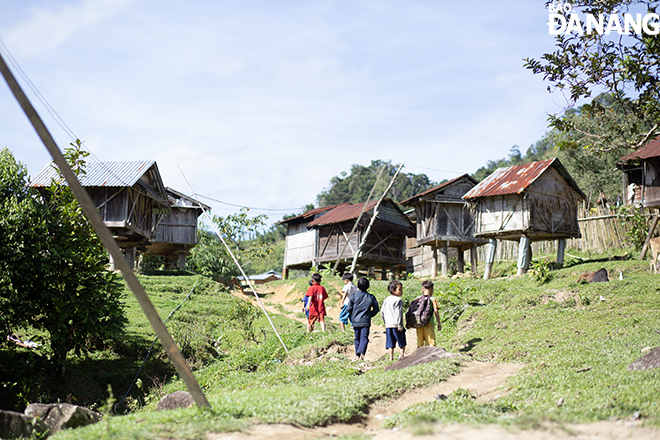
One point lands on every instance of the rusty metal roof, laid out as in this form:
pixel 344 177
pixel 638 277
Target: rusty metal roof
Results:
pixel 652 149
pixel 439 187
pixel 309 214
pixel 342 213
pixel 515 179
pixel 390 216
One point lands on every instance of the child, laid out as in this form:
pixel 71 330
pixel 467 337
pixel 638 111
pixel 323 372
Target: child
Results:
pixel 393 318
pixel 348 290
pixel 316 303
pixel 426 334
pixel 362 306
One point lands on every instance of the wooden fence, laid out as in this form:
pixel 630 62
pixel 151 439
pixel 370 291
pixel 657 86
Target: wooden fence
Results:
pixel 601 229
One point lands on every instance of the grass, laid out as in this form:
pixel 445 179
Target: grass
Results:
pixel 575 346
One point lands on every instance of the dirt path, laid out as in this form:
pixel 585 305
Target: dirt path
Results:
pixel 485 380
pixel 285 296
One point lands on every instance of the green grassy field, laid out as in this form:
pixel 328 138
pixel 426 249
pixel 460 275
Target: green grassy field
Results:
pixel 576 341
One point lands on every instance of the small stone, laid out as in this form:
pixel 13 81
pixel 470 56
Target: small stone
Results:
pixel 177 399
pixel 560 402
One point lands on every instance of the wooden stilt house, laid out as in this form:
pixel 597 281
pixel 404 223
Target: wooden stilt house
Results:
pixel 300 242
pixel 641 182
pixel 384 248
pixel 531 202
pixel 130 197
pixel 641 176
pixel 444 221
pixel 176 233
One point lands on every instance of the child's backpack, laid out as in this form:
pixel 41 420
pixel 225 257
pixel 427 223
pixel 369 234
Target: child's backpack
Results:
pixel 419 312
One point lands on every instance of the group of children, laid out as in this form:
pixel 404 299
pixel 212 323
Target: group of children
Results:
pixel 359 306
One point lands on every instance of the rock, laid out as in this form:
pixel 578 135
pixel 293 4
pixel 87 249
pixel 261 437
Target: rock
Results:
pixel 58 416
pixel 14 424
pixel 177 399
pixel 594 277
pixel 422 355
pixel 646 362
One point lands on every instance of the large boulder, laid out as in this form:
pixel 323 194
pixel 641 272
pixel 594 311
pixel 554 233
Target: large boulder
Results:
pixel 422 355
pixel 59 416
pixel 15 425
pixel 177 399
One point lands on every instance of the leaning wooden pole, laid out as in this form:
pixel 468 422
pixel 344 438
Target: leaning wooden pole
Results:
pixel 105 235
pixel 357 222
pixel 373 218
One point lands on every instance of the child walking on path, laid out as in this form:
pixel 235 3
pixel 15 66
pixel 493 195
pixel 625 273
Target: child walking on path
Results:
pixel 347 291
pixel 316 303
pixel 362 306
pixel 392 313
pixel 426 334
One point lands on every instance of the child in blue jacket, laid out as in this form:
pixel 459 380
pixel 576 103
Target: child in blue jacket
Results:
pixel 361 308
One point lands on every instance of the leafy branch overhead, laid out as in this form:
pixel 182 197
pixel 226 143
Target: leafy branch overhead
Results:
pixel 625 67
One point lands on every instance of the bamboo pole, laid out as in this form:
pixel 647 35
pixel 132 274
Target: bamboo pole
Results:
pixel 357 222
pixel 373 218
pixel 105 235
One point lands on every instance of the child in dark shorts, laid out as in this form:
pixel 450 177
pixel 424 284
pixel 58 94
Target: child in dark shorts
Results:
pixel 392 312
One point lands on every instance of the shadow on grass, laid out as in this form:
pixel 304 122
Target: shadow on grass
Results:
pixel 28 376
pixel 470 345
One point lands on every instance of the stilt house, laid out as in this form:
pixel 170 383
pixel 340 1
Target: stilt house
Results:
pixel 641 176
pixel 531 202
pixel 384 247
pixel 176 233
pixel 300 242
pixel 444 221
pixel 129 196
pixel 641 182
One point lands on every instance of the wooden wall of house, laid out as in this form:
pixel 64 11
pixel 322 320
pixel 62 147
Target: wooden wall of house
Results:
pixel 120 207
pixel 387 212
pixel 553 205
pixel 300 245
pixel 113 202
pixel 385 246
pixel 498 214
pixel 178 227
pixel 652 183
pixel 332 239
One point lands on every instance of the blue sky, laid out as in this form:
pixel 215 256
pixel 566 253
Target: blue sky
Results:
pixel 260 103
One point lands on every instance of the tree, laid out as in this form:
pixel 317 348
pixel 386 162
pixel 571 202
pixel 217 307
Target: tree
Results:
pixel 52 264
pixel 240 232
pixel 356 186
pixel 626 67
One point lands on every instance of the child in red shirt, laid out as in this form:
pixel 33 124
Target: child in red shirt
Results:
pixel 316 304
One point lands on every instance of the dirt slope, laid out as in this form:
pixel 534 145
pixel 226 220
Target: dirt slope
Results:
pixel 485 380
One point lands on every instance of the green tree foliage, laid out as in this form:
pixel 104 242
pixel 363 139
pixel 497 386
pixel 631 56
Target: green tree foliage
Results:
pixel 626 67
pixel 593 169
pixel 52 265
pixel 240 232
pixel 354 187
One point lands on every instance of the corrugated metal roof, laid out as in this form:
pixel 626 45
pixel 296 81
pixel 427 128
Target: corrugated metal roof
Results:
pixel 515 179
pixel 111 174
pixel 342 213
pixel 439 187
pixel 311 213
pixel 652 149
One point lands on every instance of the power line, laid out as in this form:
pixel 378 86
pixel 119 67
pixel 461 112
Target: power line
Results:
pixel 250 207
